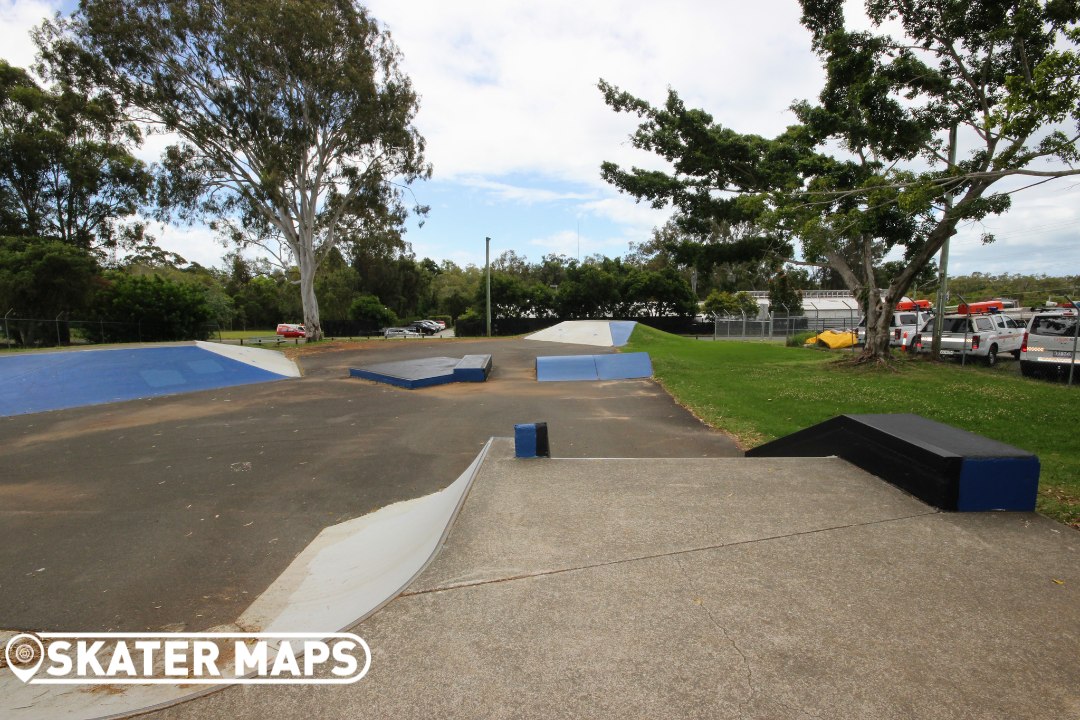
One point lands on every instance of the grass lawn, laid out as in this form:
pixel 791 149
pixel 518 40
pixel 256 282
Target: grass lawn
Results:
pixel 759 392
pixel 245 334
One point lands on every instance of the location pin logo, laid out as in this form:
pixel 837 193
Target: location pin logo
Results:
pixel 24 655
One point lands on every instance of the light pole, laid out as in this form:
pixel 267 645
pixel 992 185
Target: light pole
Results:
pixel 487 267
pixel 943 265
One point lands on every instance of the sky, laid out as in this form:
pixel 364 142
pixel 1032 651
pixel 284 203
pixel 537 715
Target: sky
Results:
pixel 516 128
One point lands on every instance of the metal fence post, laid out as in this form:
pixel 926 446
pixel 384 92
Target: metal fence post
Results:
pixel 57 321
pixel 1076 336
pixel 7 332
pixel 967 327
pixel 854 329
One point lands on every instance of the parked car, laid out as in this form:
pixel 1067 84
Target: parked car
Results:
pixel 903 328
pixel 426 327
pixel 440 323
pixel 1049 344
pixel 400 332
pixel 983 336
pixel 291 330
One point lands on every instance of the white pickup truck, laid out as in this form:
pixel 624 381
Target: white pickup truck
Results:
pixel 982 336
pixel 905 325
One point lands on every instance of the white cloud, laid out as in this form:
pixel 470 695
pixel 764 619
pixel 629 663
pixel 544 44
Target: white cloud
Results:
pixel 519 194
pixel 1036 236
pixel 514 121
pixel 18 18
pixel 576 245
pixel 624 210
pixel 511 86
pixel 195 243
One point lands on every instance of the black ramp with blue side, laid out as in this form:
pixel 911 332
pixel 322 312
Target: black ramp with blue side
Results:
pixel 620 366
pixel 944 466
pixel 36 382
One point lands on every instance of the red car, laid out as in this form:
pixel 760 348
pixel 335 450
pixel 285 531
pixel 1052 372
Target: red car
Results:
pixel 290 330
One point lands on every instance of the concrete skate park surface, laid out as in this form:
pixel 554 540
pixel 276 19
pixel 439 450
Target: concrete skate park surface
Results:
pixel 175 513
pixel 669 580
pixel 774 588
pixel 713 588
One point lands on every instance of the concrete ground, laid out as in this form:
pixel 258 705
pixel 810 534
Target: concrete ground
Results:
pixel 174 513
pixel 713 588
pixel 674 580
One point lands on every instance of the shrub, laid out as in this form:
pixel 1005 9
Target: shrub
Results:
pixel 471 324
pixel 369 311
pixel 152 308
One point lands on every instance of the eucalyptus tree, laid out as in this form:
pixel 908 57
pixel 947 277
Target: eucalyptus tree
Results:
pixel 868 168
pixel 66 165
pixel 294 117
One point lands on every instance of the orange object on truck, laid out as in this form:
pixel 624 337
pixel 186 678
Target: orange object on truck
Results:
pixel 977 308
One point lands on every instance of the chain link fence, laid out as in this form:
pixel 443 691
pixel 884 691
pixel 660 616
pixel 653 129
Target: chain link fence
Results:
pixel 779 325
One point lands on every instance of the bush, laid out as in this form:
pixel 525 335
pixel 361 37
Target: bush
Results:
pixel 471 324
pixel 41 278
pixel 152 308
pixel 799 339
pixel 370 313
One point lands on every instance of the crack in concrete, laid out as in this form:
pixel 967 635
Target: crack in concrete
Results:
pixel 655 556
pixel 751 689
pixel 800 710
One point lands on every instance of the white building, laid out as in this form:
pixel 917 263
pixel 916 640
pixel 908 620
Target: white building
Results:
pixel 832 306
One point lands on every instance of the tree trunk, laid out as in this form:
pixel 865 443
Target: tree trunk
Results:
pixel 878 315
pixel 312 324
pixel 878 320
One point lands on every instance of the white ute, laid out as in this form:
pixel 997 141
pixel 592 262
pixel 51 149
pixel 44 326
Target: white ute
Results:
pixel 985 336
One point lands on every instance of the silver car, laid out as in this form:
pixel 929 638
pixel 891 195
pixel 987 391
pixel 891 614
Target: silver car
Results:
pixel 1050 344
pixel 398 332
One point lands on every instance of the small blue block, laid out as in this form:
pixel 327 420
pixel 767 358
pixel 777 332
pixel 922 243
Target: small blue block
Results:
pixel 525 440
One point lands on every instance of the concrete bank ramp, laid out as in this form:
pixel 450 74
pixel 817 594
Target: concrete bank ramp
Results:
pixel 36 382
pixel 348 572
pixel 601 333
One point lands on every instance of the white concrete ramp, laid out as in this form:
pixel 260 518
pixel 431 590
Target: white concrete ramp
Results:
pixel 268 360
pixel 599 333
pixel 347 573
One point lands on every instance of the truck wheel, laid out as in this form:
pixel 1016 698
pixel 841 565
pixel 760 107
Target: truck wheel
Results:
pixel 1027 369
pixel 991 356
